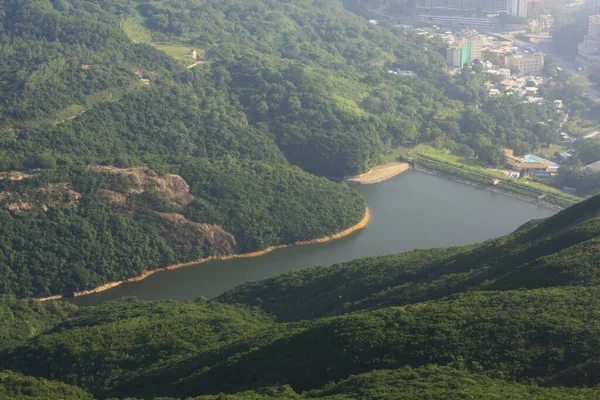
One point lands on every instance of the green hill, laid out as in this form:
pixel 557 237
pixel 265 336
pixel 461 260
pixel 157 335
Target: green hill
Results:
pixel 216 146
pixel 486 320
pixel 116 158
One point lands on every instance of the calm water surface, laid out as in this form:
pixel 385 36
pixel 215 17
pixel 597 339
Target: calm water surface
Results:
pixel 411 211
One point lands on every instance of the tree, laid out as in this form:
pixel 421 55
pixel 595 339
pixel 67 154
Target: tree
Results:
pixel 578 84
pixel 45 161
pixel 466 151
pixel 492 156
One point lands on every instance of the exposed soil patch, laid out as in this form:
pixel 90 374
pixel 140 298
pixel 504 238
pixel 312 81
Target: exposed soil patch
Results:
pixel 14 176
pixel 114 198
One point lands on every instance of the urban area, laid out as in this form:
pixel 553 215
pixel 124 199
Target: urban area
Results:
pixel 525 53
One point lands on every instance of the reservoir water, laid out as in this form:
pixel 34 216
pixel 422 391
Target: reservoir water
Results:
pixel 411 211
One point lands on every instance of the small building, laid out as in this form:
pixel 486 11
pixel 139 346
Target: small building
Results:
pixel 145 81
pixel 86 66
pixel 531 164
pixel 197 56
pixel 593 167
pixel 536 100
pixel 564 155
pixel 558 104
pixel 531 90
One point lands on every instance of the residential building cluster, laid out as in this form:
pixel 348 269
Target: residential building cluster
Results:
pixel 520 75
pixel 466 46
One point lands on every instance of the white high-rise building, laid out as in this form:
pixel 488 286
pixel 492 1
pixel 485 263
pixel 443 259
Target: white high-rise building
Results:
pixel 589 50
pixel 518 8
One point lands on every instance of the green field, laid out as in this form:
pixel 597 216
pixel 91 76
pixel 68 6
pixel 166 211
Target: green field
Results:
pixel 135 31
pixel 179 52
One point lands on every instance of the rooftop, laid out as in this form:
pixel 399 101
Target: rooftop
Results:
pixel 595 166
pixel 529 161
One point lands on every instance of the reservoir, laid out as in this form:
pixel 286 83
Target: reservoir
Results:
pixel 410 211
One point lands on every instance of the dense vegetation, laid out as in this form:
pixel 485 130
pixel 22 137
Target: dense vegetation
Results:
pixel 514 317
pixel 76 247
pixel 286 85
pixel 116 159
pixel 15 386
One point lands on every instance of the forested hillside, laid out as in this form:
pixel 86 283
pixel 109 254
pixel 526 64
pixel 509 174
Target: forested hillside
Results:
pixel 112 138
pixel 515 317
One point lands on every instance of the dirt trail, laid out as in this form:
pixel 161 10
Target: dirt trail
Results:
pixel 380 173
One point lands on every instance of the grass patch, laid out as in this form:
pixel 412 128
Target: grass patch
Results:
pixel 69 112
pixel 553 148
pixel 179 52
pixel 444 155
pixel 135 30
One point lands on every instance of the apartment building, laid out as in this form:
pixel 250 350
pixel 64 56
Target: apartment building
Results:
pixel 527 63
pixel 458 53
pixel 589 50
pixel 476 44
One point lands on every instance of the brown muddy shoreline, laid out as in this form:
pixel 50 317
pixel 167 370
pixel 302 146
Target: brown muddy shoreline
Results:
pixel 360 225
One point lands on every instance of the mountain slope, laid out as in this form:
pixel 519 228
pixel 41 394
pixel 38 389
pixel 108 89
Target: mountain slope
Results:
pixel 419 317
pixel 178 349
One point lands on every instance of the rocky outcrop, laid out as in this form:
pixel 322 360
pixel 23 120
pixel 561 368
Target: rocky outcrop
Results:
pixel 179 232
pixel 114 198
pixel 173 187
pixel 40 200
